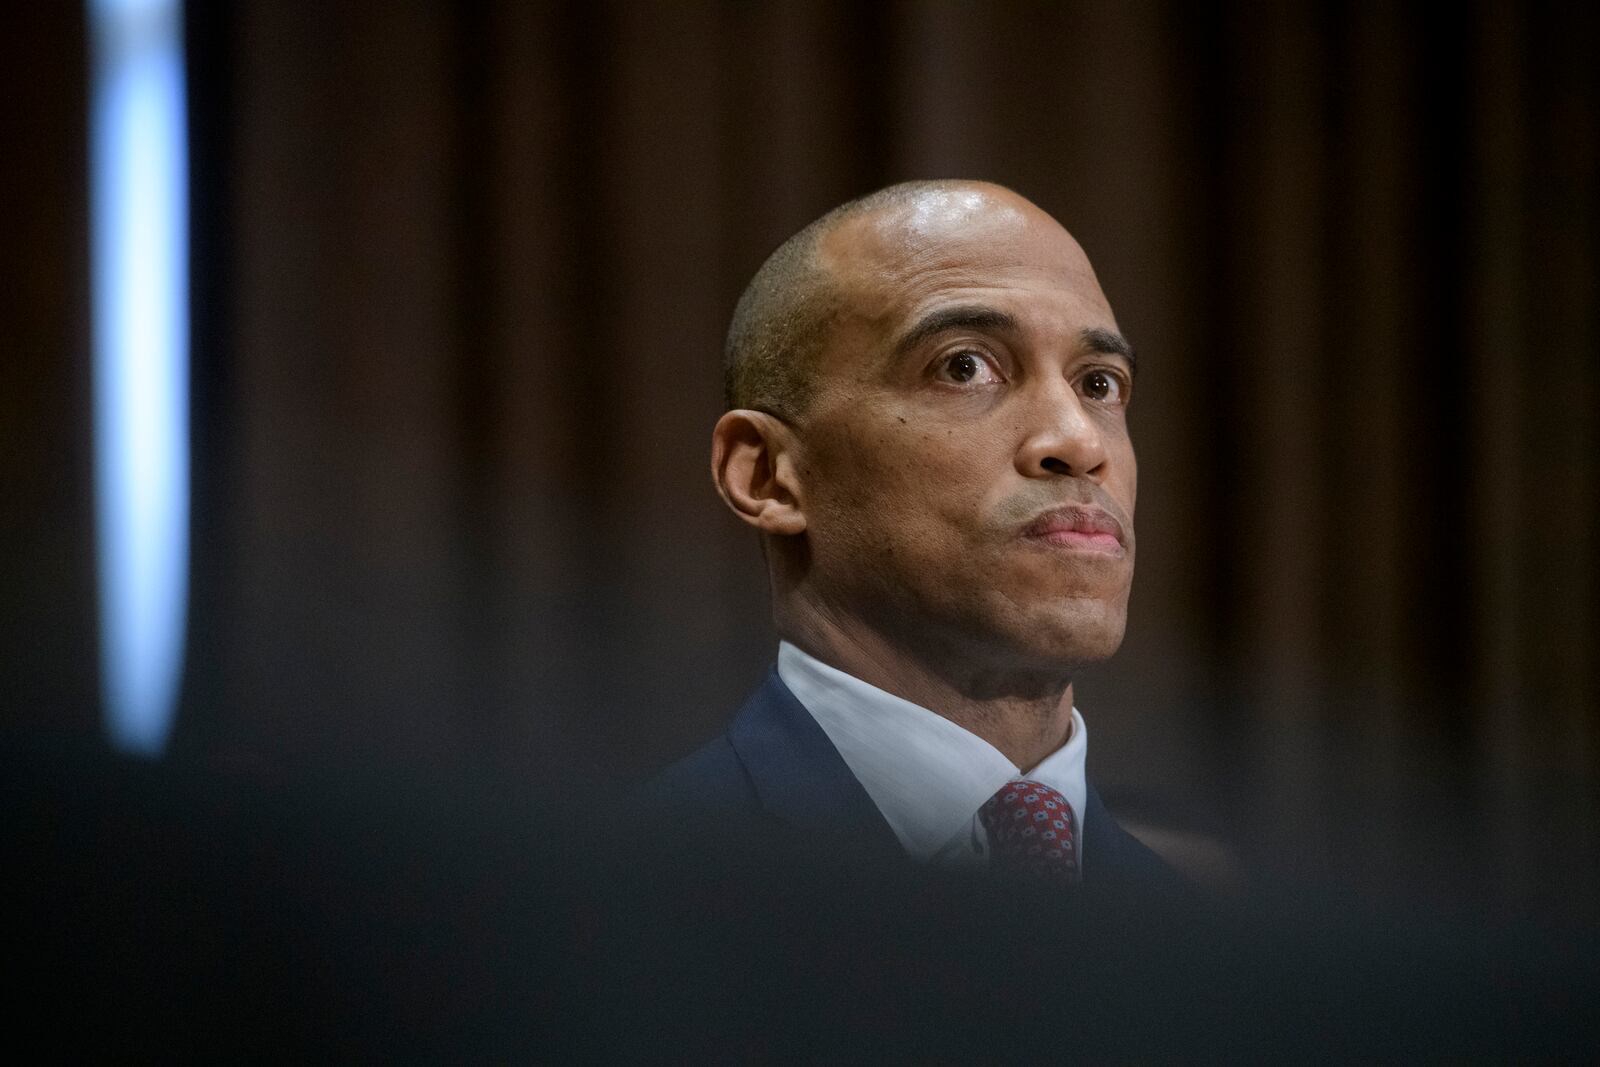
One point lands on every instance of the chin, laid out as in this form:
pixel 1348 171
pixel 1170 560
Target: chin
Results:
pixel 1074 635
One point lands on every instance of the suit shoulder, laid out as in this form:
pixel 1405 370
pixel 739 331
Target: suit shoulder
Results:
pixel 711 778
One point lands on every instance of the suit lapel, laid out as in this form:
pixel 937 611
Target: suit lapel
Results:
pixel 798 775
pixel 1100 839
pixel 1115 858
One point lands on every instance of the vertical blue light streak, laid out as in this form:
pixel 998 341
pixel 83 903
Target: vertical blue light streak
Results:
pixel 140 280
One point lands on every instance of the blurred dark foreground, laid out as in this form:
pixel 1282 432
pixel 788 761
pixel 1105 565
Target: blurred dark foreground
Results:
pixel 167 910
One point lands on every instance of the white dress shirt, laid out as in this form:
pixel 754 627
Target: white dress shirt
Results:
pixel 927 775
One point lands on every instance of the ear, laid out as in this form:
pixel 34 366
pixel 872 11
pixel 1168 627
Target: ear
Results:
pixel 753 465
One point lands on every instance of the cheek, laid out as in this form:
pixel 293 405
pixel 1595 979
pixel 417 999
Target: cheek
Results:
pixel 1124 481
pixel 897 487
pixel 1131 484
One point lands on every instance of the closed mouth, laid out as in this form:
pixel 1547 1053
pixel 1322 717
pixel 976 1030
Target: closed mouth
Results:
pixel 1078 528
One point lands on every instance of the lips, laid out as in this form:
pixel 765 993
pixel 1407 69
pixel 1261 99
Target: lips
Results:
pixel 1080 528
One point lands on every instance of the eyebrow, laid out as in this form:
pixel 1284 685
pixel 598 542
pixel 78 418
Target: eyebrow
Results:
pixel 1109 343
pixel 962 317
pixel 982 317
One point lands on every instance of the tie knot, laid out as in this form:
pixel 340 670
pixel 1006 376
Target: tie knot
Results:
pixel 1032 831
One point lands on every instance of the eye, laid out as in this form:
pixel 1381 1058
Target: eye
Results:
pixel 1103 386
pixel 967 367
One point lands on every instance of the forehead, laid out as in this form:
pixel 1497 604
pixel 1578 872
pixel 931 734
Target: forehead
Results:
pixel 981 245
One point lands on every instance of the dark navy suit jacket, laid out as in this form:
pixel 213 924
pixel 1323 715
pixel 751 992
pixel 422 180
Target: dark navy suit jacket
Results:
pixel 776 766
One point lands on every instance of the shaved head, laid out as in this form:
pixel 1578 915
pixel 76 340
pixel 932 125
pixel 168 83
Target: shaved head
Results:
pixel 928 400
pixel 784 314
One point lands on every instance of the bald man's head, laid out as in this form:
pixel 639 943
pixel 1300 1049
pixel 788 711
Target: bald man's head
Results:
pixel 783 317
pixel 939 457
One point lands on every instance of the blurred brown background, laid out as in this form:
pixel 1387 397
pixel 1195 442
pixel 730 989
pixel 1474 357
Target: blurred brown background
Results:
pixel 461 277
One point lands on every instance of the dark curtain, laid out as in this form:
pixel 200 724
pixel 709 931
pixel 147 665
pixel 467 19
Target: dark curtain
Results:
pixel 462 273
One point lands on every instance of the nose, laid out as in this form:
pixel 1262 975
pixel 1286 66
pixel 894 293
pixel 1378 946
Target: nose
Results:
pixel 1061 438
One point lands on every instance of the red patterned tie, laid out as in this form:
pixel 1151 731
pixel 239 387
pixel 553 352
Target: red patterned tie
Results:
pixel 1032 832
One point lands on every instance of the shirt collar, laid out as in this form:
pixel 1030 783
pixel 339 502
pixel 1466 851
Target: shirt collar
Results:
pixel 926 775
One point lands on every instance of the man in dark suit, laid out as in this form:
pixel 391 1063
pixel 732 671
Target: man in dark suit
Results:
pixel 927 425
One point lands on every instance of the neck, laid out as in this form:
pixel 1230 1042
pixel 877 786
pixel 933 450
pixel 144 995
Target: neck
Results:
pixel 1026 715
